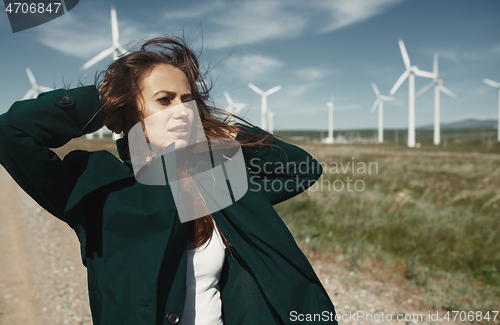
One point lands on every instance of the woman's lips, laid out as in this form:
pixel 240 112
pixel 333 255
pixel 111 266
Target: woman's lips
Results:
pixel 179 130
pixel 179 134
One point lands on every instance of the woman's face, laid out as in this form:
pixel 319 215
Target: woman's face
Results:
pixel 165 91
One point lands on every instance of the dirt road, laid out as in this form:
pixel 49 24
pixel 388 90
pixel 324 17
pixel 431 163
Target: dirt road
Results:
pixel 42 280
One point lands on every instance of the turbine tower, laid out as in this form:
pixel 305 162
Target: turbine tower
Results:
pixel 409 73
pixel 380 103
pixel 330 122
pixel 35 89
pixel 497 86
pixel 232 105
pixel 271 123
pixel 438 86
pixel 115 49
pixel 264 94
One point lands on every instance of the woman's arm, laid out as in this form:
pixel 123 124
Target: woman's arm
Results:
pixel 281 171
pixel 31 127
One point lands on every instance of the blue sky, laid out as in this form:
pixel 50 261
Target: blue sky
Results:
pixel 313 49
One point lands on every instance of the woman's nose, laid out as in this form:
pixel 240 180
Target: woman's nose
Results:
pixel 180 111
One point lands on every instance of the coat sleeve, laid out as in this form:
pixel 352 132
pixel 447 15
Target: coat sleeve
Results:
pixel 31 127
pixel 281 171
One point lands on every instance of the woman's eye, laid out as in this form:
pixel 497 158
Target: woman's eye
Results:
pixel 164 100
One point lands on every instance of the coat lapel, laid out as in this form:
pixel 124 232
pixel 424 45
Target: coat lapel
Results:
pixel 102 168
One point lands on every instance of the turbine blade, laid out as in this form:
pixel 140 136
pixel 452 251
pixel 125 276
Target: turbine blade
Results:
pixel 375 89
pixel 491 83
pixel 228 98
pixel 399 82
pixel 98 58
pixel 435 65
pixel 423 90
pixel 273 90
pixel 28 95
pixel 425 74
pixel 114 26
pixel 239 107
pixel 31 76
pixel 374 106
pixel 44 89
pixel 254 88
pixel 448 92
pixel 404 54
pixel 121 50
pixel 386 98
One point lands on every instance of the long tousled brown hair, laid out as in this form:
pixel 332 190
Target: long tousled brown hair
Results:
pixel 119 89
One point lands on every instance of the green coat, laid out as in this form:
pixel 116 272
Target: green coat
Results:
pixel 132 241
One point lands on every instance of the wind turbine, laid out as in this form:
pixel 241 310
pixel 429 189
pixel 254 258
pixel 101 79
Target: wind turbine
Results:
pixel 35 89
pixel 380 101
pixel 438 86
pixel 115 49
pixel 237 107
pixel 271 124
pixel 100 134
pixel 409 73
pixel 264 94
pixel 330 123
pixel 497 86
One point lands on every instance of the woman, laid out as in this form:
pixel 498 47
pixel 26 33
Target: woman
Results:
pixel 144 265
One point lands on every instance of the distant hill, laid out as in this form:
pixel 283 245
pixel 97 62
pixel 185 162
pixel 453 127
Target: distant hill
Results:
pixel 467 123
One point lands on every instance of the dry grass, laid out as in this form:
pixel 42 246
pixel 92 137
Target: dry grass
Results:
pixel 431 216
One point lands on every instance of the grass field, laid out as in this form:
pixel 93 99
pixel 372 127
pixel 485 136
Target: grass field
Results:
pixel 429 216
pixel 479 139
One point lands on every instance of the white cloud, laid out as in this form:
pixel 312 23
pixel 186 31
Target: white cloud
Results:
pixel 347 12
pixel 244 22
pixel 450 55
pixel 346 107
pixel 478 91
pixel 447 54
pixel 336 107
pixel 299 90
pixel 251 21
pixel 310 74
pixel 250 67
pixel 84 39
pixel 227 23
pixel 456 55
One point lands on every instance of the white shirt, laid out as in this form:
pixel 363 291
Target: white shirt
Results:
pixel 204 265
